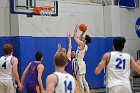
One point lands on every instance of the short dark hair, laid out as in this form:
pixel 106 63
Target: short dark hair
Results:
pixel 8 49
pixel 38 56
pixel 60 59
pixel 73 50
pixel 118 43
pixel 88 39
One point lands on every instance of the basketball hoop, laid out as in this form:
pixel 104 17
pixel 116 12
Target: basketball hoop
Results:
pixel 45 12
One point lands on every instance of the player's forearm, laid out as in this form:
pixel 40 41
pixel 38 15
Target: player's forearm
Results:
pixel 80 37
pixel 69 50
pixel 16 77
pixel 70 43
pixel 70 46
pixel 97 70
pixel 40 83
pixel 75 31
pixel 23 78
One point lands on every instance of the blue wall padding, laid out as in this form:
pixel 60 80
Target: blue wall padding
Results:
pixel 26 52
pixel 93 56
pixel 25 48
pixel 108 43
pixel 3 40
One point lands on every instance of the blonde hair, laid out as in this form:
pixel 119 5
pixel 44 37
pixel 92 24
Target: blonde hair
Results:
pixel 63 50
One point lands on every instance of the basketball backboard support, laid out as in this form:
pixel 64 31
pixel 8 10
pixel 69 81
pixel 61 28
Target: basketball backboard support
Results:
pixel 27 6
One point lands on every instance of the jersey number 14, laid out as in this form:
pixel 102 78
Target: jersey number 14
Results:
pixel 68 86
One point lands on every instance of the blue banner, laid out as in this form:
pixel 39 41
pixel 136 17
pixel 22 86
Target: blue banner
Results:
pixel 127 3
pixel 137 27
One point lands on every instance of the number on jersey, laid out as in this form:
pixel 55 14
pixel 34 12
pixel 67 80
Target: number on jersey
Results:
pixel 4 65
pixel 121 63
pixel 68 86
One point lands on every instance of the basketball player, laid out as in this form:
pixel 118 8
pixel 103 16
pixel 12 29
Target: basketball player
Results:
pixel 70 55
pixel 118 66
pixel 60 81
pixel 68 67
pixel 35 70
pixel 80 66
pixel 9 71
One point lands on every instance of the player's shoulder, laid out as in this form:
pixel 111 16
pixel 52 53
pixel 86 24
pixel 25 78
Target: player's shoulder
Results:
pixel 40 66
pixel 2 56
pixel 51 78
pixel 107 54
pixel 126 53
pixel 14 58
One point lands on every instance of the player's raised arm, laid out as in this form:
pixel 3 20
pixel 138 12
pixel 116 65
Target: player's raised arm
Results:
pixel 102 64
pixel 58 47
pixel 77 40
pixel 51 83
pixel 81 35
pixel 70 46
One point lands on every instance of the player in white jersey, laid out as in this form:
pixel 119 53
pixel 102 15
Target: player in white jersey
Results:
pixel 79 64
pixel 8 71
pixel 118 65
pixel 60 81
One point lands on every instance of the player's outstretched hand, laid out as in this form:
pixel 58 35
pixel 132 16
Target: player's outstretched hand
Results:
pixel 76 27
pixel 69 35
pixel 58 47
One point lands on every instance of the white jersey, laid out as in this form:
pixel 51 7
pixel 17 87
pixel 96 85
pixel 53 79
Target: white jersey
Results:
pixel 118 69
pixel 65 83
pixel 6 67
pixel 80 53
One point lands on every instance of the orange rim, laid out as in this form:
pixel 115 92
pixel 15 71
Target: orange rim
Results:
pixel 38 9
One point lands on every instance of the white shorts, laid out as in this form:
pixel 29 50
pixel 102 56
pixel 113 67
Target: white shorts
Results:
pixel 79 67
pixel 7 86
pixel 119 89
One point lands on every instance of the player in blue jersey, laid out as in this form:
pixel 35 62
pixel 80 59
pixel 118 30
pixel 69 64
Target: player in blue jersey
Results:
pixel 34 71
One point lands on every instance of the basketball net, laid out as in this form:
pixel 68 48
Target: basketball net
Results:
pixel 45 12
pixel 46 17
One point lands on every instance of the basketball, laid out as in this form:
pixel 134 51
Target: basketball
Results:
pixel 83 27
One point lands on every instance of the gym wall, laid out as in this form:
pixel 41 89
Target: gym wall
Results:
pixel 29 35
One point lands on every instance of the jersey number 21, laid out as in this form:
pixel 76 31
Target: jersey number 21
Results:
pixel 121 63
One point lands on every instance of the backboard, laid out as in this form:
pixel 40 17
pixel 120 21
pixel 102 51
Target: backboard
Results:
pixel 27 6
